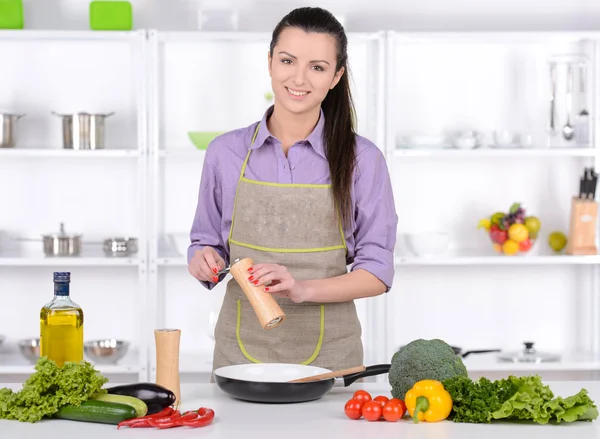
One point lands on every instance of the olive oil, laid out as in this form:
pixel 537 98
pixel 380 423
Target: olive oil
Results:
pixel 61 324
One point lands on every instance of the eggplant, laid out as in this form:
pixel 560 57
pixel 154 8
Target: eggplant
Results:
pixel 155 396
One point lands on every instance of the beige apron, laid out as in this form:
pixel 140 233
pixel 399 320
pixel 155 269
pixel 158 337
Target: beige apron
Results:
pixel 295 225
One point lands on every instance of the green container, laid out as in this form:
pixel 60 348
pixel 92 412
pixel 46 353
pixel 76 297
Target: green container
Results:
pixel 201 139
pixel 11 14
pixel 111 15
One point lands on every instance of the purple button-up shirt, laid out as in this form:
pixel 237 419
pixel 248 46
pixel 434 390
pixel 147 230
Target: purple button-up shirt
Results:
pixel 371 239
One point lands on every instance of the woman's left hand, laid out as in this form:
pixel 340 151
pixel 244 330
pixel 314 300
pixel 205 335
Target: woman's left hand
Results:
pixel 278 281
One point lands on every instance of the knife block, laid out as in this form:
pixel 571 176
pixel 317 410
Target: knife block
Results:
pixel 167 361
pixel 582 228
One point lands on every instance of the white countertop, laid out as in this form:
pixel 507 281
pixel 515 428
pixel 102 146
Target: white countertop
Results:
pixel 318 419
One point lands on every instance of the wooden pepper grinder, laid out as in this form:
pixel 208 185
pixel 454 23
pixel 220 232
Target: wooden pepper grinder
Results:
pixel 266 308
pixel 167 361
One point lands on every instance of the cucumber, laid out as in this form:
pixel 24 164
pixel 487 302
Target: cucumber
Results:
pixel 140 406
pixel 97 411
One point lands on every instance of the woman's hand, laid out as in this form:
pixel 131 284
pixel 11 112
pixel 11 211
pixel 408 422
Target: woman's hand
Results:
pixel 205 264
pixel 278 281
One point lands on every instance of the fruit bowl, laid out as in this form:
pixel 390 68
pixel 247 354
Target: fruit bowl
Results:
pixel 512 233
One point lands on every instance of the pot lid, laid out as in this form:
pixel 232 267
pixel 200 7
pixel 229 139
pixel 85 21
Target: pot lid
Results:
pixel 62 233
pixel 528 355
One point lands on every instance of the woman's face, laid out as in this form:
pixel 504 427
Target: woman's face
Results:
pixel 302 69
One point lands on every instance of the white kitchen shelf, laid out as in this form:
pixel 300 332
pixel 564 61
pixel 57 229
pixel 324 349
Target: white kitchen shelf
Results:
pixel 570 361
pixel 474 259
pixel 498 152
pixel 15 363
pixel 68 261
pixel 68 153
pixel 69 35
pixel 182 153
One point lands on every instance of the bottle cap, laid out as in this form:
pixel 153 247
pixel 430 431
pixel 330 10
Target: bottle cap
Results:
pixel 60 276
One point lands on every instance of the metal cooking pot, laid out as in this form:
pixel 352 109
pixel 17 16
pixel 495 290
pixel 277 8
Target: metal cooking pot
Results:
pixel 62 244
pixel 83 130
pixel 120 246
pixel 7 129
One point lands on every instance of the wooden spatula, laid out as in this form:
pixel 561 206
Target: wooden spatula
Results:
pixel 326 376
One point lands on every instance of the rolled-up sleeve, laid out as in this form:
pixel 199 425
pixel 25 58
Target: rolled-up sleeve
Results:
pixel 376 220
pixel 206 226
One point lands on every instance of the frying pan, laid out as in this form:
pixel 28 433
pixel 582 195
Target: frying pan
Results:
pixel 269 382
pixel 458 351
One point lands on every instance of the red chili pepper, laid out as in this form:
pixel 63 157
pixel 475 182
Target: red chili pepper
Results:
pixel 143 421
pixel 203 418
pixel 165 422
pixel 134 423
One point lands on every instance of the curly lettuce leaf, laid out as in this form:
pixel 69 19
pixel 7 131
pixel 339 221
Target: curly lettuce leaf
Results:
pixel 49 388
pixel 475 401
pixel 578 407
pixel 528 400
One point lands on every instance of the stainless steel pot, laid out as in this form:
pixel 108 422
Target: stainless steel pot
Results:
pixel 120 246
pixel 62 243
pixel 7 129
pixel 83 130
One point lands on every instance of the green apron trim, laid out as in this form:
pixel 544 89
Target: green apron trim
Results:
pixel 254 360
pixel 268 183
pixel 289 250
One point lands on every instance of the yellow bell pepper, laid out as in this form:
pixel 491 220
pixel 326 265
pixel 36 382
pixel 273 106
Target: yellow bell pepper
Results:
pixel 428 401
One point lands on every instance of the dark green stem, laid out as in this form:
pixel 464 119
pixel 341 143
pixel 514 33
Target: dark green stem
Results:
pixel 422 405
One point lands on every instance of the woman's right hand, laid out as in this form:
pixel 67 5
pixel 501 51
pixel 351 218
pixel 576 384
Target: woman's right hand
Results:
pixel 205 264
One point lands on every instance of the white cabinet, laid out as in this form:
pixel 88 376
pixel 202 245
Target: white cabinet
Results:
pixel 162 85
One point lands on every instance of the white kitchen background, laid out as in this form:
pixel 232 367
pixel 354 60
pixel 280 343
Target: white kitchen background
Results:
pixel 168 80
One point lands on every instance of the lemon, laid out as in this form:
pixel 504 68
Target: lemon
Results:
pixel 557 241
pixel 485 223
pixel 510 247
pixel 518 232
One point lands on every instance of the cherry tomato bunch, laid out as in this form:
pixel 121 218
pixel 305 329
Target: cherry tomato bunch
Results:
pixel 362 405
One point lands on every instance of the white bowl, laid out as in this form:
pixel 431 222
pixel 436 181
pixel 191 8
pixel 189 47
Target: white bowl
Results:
pixel 427 244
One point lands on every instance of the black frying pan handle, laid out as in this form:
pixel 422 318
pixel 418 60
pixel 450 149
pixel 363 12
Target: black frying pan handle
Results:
pixel 483 351
pixel 377 369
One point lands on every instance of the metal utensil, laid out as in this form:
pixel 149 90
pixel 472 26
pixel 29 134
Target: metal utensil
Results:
pixel 552 98
pixel 30 349
pixel 568 131
pixel 107 351
pixel 62 243
pixel 120 246
pixel 7 129
pixel 528 355
pixel 83 130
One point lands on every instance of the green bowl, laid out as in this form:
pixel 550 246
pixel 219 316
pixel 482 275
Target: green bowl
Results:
pixel 11 14
pixel 202 138
pixel 111 15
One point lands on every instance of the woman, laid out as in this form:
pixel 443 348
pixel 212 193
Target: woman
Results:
pixel 304 196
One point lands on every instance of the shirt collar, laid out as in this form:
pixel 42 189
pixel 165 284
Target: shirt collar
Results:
pixel 315 138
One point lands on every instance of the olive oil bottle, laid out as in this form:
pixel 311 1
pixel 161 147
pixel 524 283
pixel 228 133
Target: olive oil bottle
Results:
pixel 61 324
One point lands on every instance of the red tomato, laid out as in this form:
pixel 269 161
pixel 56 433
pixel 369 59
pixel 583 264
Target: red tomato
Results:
pixel 353 409
pixel 381 400
pixel 394 410
pixel 371 410
pixel 362 395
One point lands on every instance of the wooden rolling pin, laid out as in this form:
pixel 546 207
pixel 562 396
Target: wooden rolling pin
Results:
pixel 266 308
pixel 167 361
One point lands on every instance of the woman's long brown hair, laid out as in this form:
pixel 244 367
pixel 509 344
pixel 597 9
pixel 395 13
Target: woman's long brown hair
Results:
pixel 338 106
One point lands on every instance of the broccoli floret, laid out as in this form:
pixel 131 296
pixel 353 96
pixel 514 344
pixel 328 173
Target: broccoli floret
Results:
pixel 423 360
